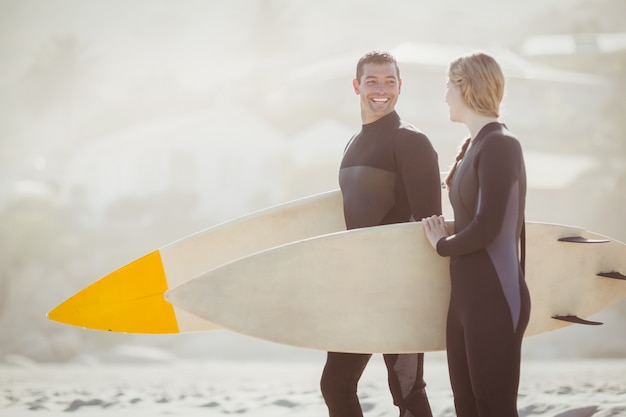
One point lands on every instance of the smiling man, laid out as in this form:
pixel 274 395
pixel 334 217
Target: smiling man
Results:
pixel 389 174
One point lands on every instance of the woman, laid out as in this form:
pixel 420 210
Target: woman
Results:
pixel 490 304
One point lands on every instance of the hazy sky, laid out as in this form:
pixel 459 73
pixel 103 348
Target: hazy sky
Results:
pixel 162 34
pixel 204 45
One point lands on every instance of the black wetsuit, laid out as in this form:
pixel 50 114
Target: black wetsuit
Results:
pixel 490 303
pixel 389 174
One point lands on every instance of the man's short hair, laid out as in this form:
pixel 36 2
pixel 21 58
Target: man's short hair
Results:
pixel 376 57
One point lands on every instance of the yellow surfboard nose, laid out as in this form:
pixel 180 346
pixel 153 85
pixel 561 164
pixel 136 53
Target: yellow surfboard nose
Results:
pixel 128 300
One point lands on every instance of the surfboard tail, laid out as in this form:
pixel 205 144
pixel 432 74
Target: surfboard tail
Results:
pixel 129 300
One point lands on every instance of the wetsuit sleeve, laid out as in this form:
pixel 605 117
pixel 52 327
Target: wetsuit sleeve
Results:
pixel 498 168
pixel 419 167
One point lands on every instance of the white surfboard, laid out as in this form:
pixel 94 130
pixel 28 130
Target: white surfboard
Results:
pixel 384 289
pixel 130 299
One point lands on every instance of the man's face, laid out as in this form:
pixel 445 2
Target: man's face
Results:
pixel 379 88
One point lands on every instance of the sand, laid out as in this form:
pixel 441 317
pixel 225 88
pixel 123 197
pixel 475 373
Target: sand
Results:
pixel 555 388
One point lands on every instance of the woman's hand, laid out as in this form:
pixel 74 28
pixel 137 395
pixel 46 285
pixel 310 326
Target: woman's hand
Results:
pixel 435 229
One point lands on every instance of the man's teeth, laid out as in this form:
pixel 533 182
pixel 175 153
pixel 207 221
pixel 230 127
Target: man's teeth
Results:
pixel 380 100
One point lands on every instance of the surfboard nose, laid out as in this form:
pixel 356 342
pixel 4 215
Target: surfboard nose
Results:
pixel 128 300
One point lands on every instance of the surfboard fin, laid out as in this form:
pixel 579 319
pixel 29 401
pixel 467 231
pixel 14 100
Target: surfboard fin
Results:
pixel 580 239
pixel 577 320
pixel 612 274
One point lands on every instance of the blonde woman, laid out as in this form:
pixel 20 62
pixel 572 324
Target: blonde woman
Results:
pixel 490 303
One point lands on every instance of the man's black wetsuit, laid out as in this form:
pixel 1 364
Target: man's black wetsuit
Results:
pixel 389 174
pixel 490 303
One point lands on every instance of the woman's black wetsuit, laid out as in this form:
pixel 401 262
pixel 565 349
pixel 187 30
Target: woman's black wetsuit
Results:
pixel 389 174
pixel 490 303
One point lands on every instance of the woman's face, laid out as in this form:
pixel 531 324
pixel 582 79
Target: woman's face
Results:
pixel 455 102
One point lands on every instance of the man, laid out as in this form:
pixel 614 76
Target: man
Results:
pixel 389 174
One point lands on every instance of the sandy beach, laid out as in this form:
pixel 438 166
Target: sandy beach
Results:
pixel 549 388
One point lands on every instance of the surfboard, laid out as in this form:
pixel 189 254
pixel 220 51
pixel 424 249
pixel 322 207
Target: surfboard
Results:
pixel 130 299
pixel 384 289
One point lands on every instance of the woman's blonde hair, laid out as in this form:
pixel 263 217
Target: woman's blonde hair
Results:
pixel 481 83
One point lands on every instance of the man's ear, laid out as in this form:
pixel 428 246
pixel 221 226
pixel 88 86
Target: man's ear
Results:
pixel 399 85
pixel 355 84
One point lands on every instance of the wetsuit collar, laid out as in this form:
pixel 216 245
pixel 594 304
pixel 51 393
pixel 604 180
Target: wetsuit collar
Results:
pixel 386 122
pixel 488 128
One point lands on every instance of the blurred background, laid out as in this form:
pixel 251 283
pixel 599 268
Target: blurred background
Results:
pixel 126 125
